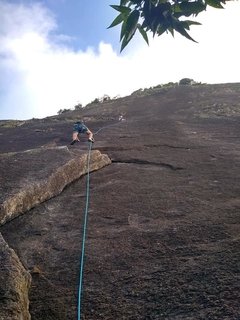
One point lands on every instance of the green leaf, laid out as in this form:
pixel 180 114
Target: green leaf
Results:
pixel 131 24
pixel 123 2
pixel 190 22
pixel 176 8
pixel 187 23
pixel 123 30
pixel 215 3
pixel 129 28
pixel 143 33
pixel 136 2
pixel 117 20
pixel 125 42
pixel 122 9
pixel 154 27
pixel 179 27
pixel 171 30
pixel 161 30
pixel 192 7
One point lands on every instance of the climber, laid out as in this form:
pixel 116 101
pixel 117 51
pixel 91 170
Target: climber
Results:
pixel 79 127
pixel 120 118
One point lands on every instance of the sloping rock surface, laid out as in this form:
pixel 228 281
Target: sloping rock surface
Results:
pixel 163 225
pixel 14 285
pixel 28 178
pixel 36 175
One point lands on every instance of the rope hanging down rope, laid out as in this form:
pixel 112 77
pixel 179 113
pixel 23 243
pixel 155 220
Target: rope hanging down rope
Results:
pixel 85 223
pixel 84 232
pixel 110 125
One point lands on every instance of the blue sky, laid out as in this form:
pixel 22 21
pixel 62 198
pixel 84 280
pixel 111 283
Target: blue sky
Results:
pixel 57 53
pixel 85 21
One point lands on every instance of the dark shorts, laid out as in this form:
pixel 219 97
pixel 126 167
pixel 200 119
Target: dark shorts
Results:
pixel 80 128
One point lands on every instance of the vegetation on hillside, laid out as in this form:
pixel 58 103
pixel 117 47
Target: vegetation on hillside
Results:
pixel 140 92
pixel 11 123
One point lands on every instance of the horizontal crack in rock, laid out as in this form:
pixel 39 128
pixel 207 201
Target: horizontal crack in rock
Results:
pixel 167 146
pixel 145 162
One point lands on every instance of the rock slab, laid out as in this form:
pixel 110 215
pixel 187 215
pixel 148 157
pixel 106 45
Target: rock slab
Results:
pixel 14 285
pixel 40 174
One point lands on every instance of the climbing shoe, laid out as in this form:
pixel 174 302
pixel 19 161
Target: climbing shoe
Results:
pixel 74 141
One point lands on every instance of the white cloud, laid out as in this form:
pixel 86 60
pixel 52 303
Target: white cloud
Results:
pixel 42 75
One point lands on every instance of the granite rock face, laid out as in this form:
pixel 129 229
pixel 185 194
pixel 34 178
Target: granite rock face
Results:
pixel 29 178
pixel 163 225
pixel 40 174
pixel 14 285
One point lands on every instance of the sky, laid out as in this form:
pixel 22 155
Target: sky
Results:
pixel 55 54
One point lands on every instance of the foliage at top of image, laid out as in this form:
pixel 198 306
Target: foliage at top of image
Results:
pixel 158 16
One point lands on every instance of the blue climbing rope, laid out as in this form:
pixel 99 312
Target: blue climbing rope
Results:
pixel 80 287
pixel 110 125
pixel 84 232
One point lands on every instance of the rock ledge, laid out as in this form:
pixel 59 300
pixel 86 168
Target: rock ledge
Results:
pixel 40 174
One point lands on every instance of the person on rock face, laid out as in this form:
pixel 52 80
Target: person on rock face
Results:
pixel 79 127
